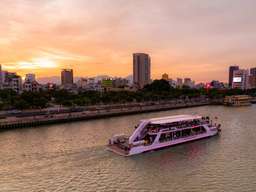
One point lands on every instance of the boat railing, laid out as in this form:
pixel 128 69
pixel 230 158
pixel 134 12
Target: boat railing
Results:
pixel 152 133
pixel 182 127
pixel 174 137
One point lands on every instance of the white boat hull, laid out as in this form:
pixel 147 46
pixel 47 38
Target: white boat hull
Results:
pixel 163 132
pixel 141 149
pixel 155 146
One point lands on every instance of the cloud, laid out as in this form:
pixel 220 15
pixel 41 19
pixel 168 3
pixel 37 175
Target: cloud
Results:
pixel 37 63
pixel 102 35
pixel 63 55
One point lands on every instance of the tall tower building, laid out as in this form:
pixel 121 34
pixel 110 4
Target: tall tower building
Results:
pixel 141 69
pixel 253 71
pixel 1 77
pixel 231 74
pixel 67 77
pixel 240 79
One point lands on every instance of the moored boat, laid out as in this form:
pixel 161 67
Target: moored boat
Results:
pixel 156 133
pixel 238 100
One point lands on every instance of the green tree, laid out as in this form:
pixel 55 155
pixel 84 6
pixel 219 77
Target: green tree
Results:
pixel 158 86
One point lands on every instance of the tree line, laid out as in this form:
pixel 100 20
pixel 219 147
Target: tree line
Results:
pixel 157 90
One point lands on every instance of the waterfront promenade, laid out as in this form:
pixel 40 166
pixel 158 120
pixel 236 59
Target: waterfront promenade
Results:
pixel 37 118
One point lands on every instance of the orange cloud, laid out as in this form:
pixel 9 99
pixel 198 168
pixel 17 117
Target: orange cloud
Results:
pixel 199 39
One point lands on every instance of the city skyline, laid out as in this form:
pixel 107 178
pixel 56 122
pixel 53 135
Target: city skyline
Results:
pixel 59 79
pixel 196 39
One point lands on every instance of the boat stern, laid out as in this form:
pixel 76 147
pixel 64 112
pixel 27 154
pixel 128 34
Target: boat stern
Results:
pixel 119 144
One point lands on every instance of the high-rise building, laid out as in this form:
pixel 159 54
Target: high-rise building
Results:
pixel 165 76
pixel 67 77
pixel 231 74
pixel 253 71
pixel 240 79
pixel 141 69
pixel 1 77
pixel 252 82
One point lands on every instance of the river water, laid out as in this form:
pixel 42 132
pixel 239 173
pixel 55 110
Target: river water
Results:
pixel 72 157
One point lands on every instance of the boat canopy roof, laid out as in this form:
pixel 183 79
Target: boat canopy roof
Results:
pixel 172 119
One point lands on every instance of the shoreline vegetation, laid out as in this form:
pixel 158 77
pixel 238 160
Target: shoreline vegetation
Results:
pixel 158 90
pixel 56 106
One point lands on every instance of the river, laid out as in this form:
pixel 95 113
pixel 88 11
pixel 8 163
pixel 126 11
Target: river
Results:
pixel 72 157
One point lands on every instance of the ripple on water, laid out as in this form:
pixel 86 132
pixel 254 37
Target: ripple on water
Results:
pixel 72 157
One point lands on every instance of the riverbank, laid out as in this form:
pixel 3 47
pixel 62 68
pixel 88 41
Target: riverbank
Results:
pixel 94 112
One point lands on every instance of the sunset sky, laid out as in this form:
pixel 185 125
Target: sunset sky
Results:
pixel 185 38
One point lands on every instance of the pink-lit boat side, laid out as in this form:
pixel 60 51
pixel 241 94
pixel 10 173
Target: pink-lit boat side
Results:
pixel 156 133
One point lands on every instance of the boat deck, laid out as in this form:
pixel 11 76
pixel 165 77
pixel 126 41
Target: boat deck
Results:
pixel 118 150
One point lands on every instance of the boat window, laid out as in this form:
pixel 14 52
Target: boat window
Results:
pixel 166 137
pixel 152 128
pixel 186 132
pixel 198 130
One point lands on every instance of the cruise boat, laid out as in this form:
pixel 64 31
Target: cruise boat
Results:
pixel 238 100
pixel 156 133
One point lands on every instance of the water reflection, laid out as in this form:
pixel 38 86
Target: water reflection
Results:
pixel 73 157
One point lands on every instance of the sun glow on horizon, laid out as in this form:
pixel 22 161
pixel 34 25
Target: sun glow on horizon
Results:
pixel 46 63
pixel 101 39
pixel 37 63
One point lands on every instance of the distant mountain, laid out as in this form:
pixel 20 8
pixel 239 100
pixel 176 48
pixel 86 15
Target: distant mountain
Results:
pixel 53 79
pixel 100 77
pixel 44 80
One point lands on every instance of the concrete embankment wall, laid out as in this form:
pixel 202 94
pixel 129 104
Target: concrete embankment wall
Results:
pixel 33 121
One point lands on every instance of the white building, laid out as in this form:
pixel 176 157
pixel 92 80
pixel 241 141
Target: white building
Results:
pixel 82 83
pixel 31 84
pixel 89 84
